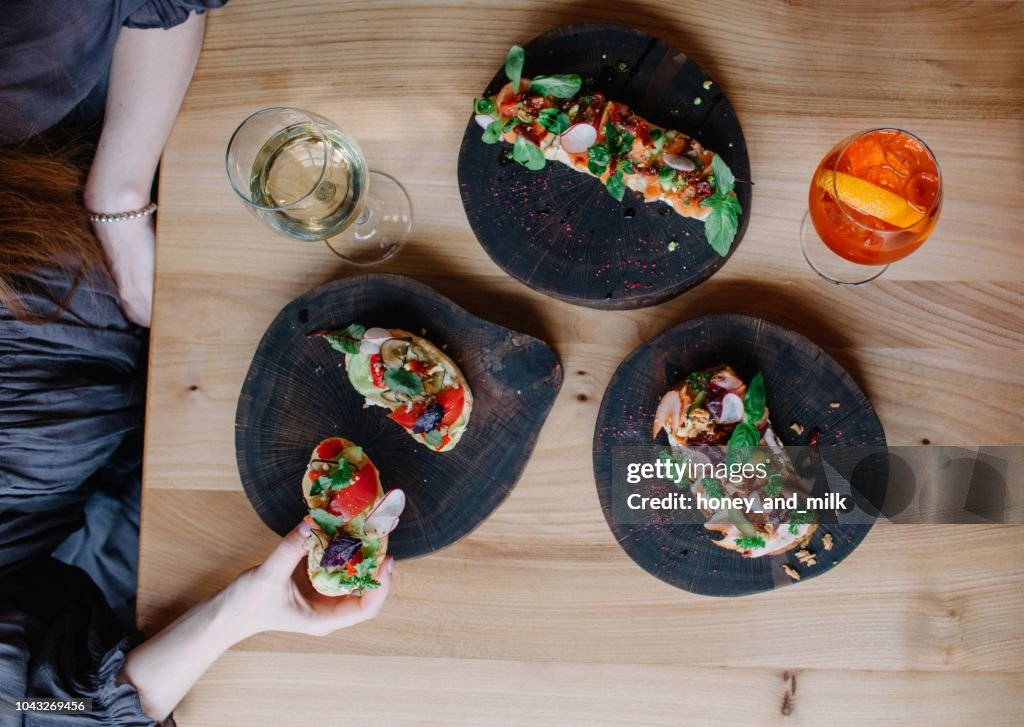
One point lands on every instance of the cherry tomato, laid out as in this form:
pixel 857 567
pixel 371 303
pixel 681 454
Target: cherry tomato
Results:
pixel 377 371
pixel 359 495
pixel 407 418
pixel 329 449
pixel 453 400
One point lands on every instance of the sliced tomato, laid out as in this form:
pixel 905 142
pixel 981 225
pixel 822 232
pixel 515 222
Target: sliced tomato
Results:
pixel 407 417
pixel 418 367
pixel 329 449
pixel 377 371
pixel 359 495
pixel 452 400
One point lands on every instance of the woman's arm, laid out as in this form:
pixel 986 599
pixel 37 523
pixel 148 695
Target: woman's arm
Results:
pixel 149 74
pixel 275 596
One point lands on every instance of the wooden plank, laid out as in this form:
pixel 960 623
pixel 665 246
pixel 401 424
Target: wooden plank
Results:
pixel 539 617
pixel 451 692
pixel 910 598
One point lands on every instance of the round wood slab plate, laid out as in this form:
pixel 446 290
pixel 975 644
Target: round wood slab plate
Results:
pixel 802 385
pixel 558 230
pixel 297 393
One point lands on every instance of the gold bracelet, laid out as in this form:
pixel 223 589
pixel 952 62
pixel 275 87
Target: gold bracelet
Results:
pixel 121 216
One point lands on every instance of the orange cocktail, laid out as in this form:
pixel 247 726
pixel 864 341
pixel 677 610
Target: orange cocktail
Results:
pixel 876 196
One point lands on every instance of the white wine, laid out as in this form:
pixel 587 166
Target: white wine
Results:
pixel 288 166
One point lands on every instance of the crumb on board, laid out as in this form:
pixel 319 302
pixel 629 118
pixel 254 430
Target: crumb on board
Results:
pixel 444 347
pixel 673 246
pixel 797 427
pixel 806 557
pixel 423 331
pixel 791 571
pixel 707 85
pixel 698 101
pixel 827 541
pixel 834 404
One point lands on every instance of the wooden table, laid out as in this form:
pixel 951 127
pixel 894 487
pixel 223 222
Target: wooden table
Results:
pixel 537 619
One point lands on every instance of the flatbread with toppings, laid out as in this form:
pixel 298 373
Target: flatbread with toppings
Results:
pixel 352 518
pixel 553 118
pixel 425 391
pixel 714 410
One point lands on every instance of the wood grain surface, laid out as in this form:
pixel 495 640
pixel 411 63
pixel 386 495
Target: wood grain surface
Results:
pixel 539 617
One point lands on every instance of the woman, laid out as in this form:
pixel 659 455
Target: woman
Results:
pixel 72 371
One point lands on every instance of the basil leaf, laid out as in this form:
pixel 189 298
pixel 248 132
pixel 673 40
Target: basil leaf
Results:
pixel 528 154
pixel 724 180
pixel 657 135
pixel 667 177
pixel 753 401
pixel 347 340
pixel 484 106
pixel 611 136
pixel 434 438
pixel 317 487
pixel 341 477
pixel 742 443
pixel 599 154
pixel 625 144
pixel 615 186
pixel 514 66
pixel 627 167
pixel 554 120
pixel 493 131
pixel 403 381
pixel 564 86
pixel 596 169
pixel 720 228
pixel 774 486
pixel 328 523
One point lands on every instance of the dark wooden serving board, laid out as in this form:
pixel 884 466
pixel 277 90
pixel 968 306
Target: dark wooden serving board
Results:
pixel 297 393
pixel 802 384
pixel 558 230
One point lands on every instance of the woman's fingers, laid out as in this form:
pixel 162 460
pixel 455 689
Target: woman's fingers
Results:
pixel 280 564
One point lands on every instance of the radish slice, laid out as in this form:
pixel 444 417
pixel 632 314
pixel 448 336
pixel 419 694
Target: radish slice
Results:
pixel 372 340
pixel 680 162
pixel 732 409
pixel 725 380
pixel 377 334
pixel 670 409
pixel 578 138
pixel 772 441
pixel 484 120
pixel 369 347
pixel 384 517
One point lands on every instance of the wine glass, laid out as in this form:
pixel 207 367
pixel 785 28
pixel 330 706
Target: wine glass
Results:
pixel 874 199
pixel 304 178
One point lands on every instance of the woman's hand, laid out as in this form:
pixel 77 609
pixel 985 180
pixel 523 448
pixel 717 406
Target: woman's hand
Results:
pixel 129 248
pixel 273 596
pixel 277 595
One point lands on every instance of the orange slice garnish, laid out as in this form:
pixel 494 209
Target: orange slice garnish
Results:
pixel 870 199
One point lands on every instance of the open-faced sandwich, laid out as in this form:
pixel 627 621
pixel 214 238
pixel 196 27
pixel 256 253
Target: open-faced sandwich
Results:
pixel 713 417
pixel 352 518
pixel 422 387
pixel 553 118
